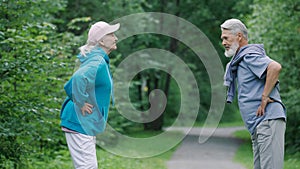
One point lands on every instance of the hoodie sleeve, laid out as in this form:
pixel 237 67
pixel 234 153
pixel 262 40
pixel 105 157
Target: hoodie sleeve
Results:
pixel 83 83
pixel 68 88
pixel 258 64
pixel 79 86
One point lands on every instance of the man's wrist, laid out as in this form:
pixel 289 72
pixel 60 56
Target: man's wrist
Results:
pixel 264 98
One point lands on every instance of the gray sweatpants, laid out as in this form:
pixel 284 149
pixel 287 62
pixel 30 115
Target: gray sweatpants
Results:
pixel 268 144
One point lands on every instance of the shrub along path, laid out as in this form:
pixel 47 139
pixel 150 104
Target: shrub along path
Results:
pixel 216 153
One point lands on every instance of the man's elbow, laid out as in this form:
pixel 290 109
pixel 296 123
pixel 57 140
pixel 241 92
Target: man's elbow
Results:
pixel 275 66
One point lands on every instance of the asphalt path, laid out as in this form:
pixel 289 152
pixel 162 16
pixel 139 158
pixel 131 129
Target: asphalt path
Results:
pixel 216 152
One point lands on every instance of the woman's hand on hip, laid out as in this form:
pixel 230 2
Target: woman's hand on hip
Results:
pixel 87 108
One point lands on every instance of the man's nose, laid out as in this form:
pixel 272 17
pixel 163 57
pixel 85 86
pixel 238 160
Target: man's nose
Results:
pixel 223 42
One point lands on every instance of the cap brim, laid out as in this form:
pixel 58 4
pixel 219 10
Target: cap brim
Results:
pixel 113 28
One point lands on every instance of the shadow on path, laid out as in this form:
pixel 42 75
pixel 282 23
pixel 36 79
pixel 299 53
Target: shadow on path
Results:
pixel 216 153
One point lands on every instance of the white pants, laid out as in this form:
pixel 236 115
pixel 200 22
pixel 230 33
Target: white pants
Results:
pixel 83 150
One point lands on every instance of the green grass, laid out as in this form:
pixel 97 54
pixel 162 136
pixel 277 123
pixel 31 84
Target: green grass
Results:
pixel 292 161
pixel 222 124
pixel 108 160
pixel 111 161
pixel 244 153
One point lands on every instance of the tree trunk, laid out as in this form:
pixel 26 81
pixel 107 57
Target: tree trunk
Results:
pixel 147 126
pixel 157 124
pixel 155 109
pixel 140 91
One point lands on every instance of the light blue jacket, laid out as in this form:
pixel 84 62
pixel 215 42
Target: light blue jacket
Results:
pixel 248 68
pixel 91 83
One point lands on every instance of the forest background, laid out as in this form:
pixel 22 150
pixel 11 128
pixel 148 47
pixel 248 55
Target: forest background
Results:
pixel 39 42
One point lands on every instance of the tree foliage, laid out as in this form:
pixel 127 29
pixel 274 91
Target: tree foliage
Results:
pixel 276 25
pixel 39 39
pixel 32 68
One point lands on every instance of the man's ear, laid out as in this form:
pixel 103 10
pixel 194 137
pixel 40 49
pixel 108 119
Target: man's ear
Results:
pixel 240 36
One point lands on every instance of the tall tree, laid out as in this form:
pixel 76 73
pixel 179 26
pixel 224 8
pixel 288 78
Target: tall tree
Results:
pixel 276 24
pixel 32 57
pixel 207 15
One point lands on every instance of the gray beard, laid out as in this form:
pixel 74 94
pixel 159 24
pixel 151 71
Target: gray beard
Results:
pixel 232 50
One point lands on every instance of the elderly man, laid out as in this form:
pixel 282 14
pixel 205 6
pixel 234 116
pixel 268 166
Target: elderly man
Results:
pixel 259 100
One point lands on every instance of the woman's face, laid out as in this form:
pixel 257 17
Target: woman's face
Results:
pixel 109 42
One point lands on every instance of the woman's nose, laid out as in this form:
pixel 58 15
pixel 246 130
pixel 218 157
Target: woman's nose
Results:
pixel 116 38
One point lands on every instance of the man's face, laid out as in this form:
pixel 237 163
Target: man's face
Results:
pixel 230 42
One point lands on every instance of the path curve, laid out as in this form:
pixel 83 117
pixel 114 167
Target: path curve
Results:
pixel 216 153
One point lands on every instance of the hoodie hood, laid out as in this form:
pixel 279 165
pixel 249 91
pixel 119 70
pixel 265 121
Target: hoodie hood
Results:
pixel 93 54
pixel 250 49
pixel 231 67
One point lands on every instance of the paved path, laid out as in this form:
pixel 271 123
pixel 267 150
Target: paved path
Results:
pixel 216 153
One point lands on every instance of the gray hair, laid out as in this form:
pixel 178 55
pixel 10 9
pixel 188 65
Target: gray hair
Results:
pixel 85 49
pixel 235 26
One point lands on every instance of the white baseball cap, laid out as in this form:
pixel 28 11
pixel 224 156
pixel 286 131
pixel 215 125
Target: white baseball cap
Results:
pixel 99 30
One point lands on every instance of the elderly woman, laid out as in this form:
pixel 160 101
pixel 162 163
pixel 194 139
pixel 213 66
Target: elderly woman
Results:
pixel 85 110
